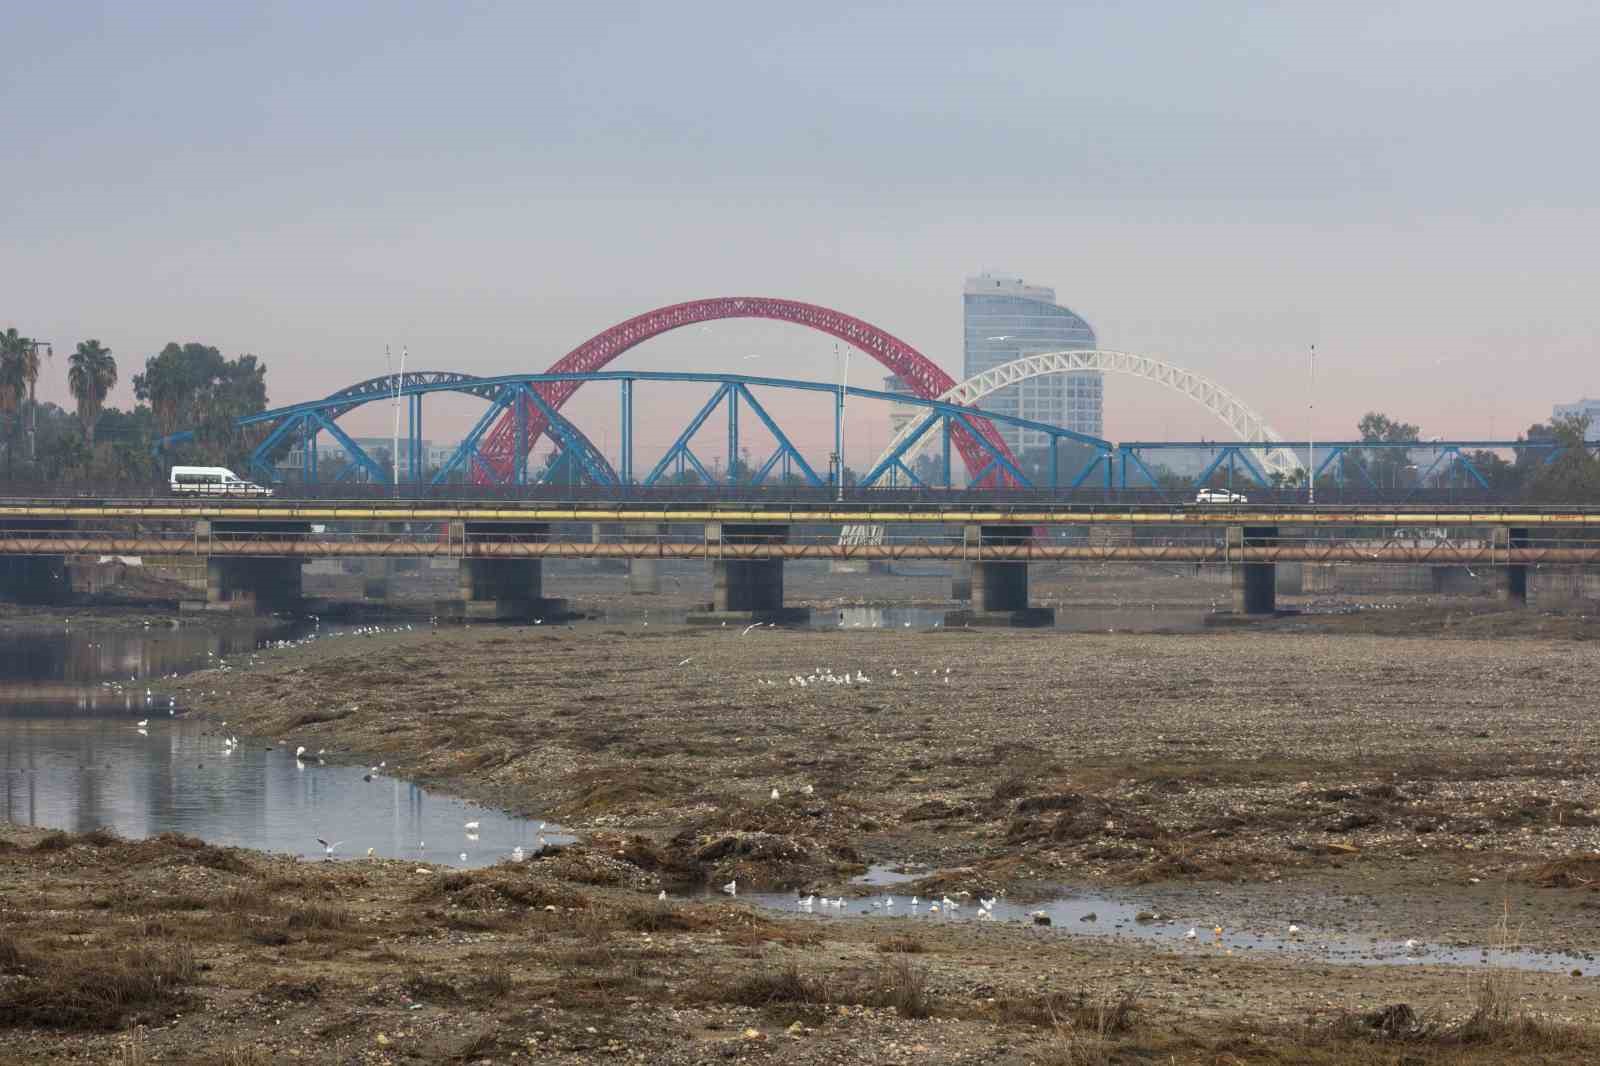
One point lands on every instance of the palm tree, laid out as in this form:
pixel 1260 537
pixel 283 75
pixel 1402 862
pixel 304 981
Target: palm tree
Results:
pixel 15 351
pixel 91 374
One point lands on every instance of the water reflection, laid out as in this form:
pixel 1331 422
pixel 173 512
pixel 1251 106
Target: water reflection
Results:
pixel 72 757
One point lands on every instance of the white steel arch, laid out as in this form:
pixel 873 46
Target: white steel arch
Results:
pixel 1245 423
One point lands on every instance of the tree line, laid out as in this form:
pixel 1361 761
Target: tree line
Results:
pixel 184 386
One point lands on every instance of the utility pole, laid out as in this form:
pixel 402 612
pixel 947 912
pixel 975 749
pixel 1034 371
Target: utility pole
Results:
pixel 1311 434
pixel 33 405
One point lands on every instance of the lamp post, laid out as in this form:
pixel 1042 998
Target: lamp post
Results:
pixel 844 381
pixel 394 455
pixel 33 405
pixel 1311 434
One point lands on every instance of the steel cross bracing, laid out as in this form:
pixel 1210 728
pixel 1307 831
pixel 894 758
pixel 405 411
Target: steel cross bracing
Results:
pixel 920 374
pixel 1343 458
pixel 305 421
pixel 1245 423
pixel 521 397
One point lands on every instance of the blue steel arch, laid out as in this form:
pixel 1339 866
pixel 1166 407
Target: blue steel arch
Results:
pixel 733 389
pixel 322 415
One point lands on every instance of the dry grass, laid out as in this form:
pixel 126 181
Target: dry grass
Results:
pixel 788 985
pixel 903 985
pixel 11 959
pixel 94 989
pixel 902 944
pixel 1577 871
pixel 659 917
pixel 319 917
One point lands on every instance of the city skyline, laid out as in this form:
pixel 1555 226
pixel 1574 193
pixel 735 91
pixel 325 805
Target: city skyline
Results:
pixel 492 188
pixel 1003 319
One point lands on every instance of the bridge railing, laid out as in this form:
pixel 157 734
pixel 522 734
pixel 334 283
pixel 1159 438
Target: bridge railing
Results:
pixel 776 494
pixel 1208 544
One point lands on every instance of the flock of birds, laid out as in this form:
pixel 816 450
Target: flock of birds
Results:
pixel 946 906
pixel 469 830
pixel 824 675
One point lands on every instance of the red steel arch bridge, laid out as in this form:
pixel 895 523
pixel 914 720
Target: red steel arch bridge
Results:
pixel 523 408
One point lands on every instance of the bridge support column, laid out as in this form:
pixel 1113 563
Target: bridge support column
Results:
pixel 999 588
pixel 501 588
pixel 1255 589
pixel 644 575
pixel 1513 579
pixel 378 573
pixel 746 589
pixel 40 579
pixel 608 533
pixel 247 583
pixel 961 581
pixel 1452 581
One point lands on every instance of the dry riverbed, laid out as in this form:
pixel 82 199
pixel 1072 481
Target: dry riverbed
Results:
pixel 1403 786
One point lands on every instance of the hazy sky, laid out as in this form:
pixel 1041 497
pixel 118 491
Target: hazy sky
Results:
pixel 1408 186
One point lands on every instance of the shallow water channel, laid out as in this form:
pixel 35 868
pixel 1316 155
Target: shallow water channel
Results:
pixel 1171 921
pixel 73 756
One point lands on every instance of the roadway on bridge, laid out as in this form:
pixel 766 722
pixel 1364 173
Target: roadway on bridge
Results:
pixel 1031 512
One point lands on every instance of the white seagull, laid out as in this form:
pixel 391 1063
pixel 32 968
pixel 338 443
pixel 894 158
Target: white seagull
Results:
pixel 470 826
pixel 732 887
pixel 327 848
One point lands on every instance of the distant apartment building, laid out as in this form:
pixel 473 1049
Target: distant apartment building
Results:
pixel 1584 406
pixel 1005 318
pixel 900 414
pixel 378 448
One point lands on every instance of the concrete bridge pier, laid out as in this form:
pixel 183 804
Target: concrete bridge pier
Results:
pixel 1255 585
pixel 1452 580
pixel 644 575
pixel 377 574
pixel 40 579
pixel 608 533
pixel 249 583
pixel 999 588
pixel 501 588
pixel 1514 578
pixel 745 590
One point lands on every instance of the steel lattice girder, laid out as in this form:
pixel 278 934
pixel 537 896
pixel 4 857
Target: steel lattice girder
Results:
pixel 921 375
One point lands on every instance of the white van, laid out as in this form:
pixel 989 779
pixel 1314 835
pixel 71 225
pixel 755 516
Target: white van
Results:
pixel 212 481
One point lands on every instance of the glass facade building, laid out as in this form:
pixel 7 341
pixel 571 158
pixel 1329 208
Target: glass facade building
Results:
pixel 1005 319
pixel 1584 406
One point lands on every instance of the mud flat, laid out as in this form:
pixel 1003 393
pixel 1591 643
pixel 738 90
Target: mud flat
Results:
pixel 1440 788
pixel 170 950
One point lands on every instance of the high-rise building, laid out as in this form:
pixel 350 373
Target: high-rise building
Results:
pixel 1584 406
pixel 1005 319
pixel 900 413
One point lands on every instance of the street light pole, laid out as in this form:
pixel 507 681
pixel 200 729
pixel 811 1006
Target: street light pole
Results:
pixel 33 404
pixel 394 456
pixel 1311 434
pixel 844 381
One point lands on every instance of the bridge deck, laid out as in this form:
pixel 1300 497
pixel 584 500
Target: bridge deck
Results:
pixel 1031 513
pixel 1562 553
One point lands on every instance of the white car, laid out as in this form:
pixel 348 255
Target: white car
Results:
pixel 1219 496
pixel 212 481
